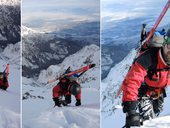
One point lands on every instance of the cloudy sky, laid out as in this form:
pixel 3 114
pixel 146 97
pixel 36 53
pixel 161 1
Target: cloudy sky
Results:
pixel 120 9
pixel 50 15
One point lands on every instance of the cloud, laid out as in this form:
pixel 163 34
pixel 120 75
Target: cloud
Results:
pixel 121 9
pixel 57 20
pixel 56 12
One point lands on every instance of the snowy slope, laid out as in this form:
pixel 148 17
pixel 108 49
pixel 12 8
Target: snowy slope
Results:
pixel 10 99
pixel 112 115
pixel 44 115
pixel 39 95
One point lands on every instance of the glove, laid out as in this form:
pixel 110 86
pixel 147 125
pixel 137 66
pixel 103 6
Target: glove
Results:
pixel 132 117
pixel 78 103
pixel 129 106
pixel 92 65
pixel 57 102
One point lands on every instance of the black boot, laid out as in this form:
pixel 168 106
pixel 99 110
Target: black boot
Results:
pixel 57 102
pixel 78 103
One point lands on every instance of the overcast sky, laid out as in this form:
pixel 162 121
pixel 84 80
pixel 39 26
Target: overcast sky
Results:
pixel 53 14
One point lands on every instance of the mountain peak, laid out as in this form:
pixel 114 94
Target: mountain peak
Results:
pixel 27 31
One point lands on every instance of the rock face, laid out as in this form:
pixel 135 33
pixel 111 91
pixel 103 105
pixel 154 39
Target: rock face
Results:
pixel 10 22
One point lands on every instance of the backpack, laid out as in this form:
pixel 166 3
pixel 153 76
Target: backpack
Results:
pixel 156 41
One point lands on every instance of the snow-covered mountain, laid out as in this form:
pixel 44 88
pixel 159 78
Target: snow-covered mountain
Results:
pixel 112 114
pixel 39 94
pixel 10 99
pixel 10 19
pixel 41 49
pixel 28 31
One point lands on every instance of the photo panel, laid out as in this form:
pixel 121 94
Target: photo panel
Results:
pixel 135 63
pixel 61 63
pixel 10 71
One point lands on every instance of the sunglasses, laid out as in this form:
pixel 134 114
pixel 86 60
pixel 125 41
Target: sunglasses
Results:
pixel 166 39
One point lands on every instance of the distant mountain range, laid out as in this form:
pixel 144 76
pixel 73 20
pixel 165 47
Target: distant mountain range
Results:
pixel 41 49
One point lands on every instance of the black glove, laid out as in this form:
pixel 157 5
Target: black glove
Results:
pixel 3 87
pixel 92 65
pixel 78 103
pixel 57 102
pixel 129 105
pixel 132 117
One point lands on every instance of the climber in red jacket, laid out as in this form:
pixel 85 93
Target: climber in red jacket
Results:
pixel 3 81
pixel 144 85
pixel 66 87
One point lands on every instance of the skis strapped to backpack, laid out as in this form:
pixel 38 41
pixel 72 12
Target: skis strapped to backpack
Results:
pixel 81 70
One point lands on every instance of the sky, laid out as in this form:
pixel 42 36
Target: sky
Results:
pixel 53 15
pixel 113 10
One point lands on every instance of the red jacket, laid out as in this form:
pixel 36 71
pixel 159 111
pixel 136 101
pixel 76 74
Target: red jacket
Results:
pixel 139 73
pixel 62 88
pixel 3 84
